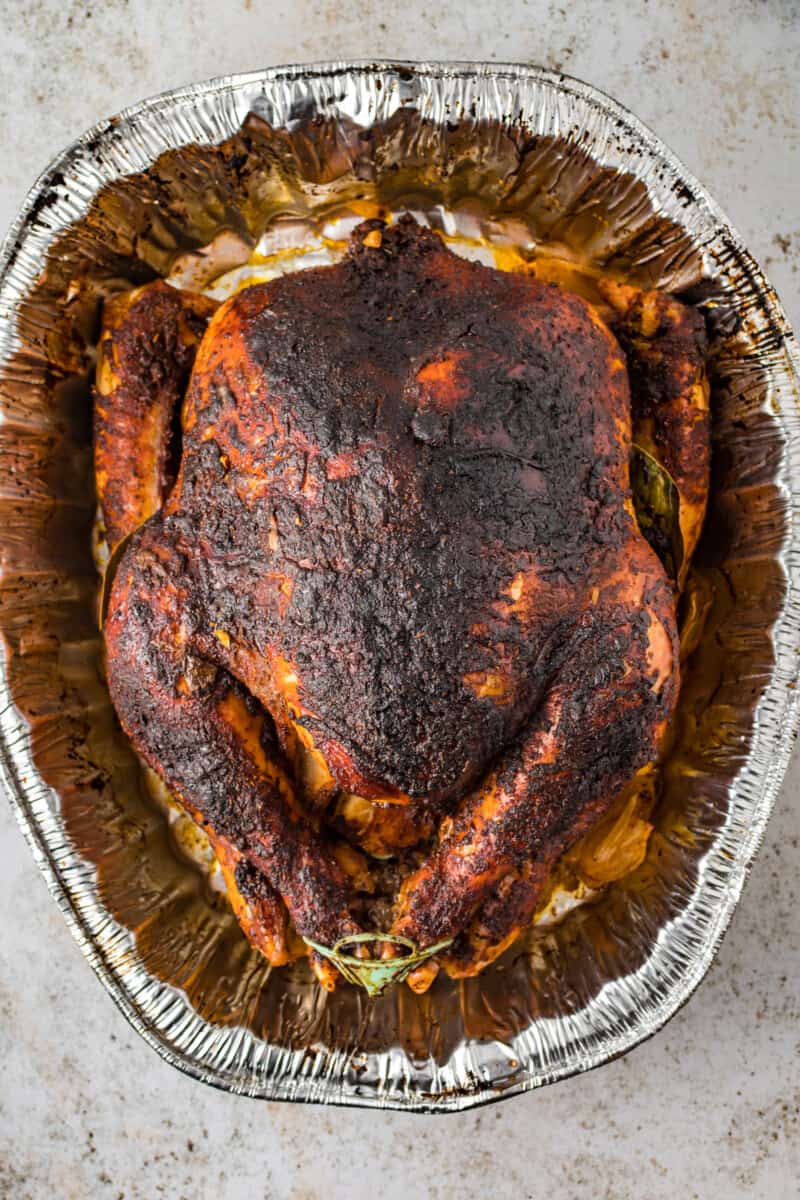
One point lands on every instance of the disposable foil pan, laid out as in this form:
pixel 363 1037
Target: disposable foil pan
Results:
pixel 498 145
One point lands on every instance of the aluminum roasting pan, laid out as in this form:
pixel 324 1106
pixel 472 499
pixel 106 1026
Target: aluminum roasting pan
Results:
pixel 499 143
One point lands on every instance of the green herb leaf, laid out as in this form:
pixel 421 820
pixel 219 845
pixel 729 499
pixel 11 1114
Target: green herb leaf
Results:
pixel 657 503
pixel 375 974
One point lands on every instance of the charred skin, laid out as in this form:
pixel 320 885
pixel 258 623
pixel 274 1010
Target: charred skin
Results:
pixel 402 527
pixel 613 687
pixel 201 731
pixel 391 445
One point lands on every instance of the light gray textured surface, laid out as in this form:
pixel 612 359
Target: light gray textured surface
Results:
pixel 710 1107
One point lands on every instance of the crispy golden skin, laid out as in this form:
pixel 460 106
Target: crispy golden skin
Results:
pixel 402 527
pixel 663 342
pixel 147 349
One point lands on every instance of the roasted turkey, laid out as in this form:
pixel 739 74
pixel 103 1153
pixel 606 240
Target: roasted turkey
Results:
pixel 382 590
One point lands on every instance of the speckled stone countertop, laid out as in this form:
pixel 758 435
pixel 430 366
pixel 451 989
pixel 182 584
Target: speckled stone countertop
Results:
pixel 709 1107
